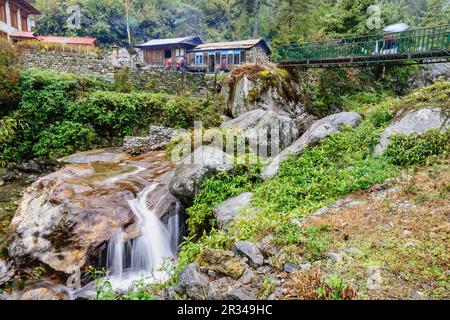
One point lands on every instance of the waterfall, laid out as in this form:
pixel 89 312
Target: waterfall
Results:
pixel 146 256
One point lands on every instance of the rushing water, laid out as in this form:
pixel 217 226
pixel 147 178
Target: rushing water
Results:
pixel 148 256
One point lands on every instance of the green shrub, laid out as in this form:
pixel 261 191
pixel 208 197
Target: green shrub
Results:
pixel 64 138
pixel 50 99
pixel 414 149
pixel 216 190
pixel 122 81
pixel 9 78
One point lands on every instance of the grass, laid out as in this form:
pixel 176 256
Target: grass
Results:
pixel 408 241
pixel 342 164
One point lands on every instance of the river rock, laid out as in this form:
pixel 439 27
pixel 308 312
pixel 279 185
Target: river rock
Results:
pixel 194 169
pixel 241 293
pixel 429 73
pixel 249 250
pixel 6 272
pixel 219 288
pixel 66 219
pixel 100 155
pixel 261 126
pixel 416 121
pixel 268 90
pixel 316 133
pixel 227 211
pixel 222 261
pixel 193 282
pixel 157 139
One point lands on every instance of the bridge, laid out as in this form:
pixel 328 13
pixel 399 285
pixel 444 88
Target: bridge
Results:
pixel 423 45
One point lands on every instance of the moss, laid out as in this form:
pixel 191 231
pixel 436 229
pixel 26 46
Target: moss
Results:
pixel 253 96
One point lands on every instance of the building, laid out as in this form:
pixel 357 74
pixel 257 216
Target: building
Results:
pixel 16 19
pixel 158 52
pixel 211 57
pixel 69 41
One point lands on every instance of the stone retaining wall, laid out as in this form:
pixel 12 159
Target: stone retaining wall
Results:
pixel 104 65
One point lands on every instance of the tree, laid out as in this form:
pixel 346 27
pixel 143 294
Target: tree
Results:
pixel 437 12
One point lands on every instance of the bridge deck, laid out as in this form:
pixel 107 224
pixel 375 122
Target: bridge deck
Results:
pixel 423 45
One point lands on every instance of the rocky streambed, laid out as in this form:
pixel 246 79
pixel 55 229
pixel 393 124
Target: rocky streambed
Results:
pixel 66 220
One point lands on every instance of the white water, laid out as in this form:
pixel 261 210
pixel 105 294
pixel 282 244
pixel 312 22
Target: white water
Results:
pixel 146 257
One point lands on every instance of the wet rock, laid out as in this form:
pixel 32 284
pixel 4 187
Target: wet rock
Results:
pixel 265 129
pixel 316 133
pixel 222 261
pixel 65 219
pixel 100 155
pixel 227 211
pixel 2 183
pixel 249 250
pixel 193 282
pixel 194 169
pixel 417 121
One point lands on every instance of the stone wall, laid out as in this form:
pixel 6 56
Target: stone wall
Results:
pixel 105 64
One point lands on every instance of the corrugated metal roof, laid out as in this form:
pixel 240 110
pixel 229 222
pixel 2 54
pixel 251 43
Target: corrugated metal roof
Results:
pixel 243 44
pixel 67 40
pixel 23 35
pixel 192 40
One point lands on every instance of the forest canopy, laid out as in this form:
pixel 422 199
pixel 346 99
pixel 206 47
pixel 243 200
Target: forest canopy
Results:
pixel 277 21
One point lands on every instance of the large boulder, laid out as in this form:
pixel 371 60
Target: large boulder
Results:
pixel 223 262
pixel 429 73
pixel 261 127
pixel 252 87
pixel 316 133
pixel 227 211
pixel 416 121
pixel 194 169
pixel 66 219
pixel 194 283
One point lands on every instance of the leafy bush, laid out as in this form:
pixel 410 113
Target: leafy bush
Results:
pixel 52 102
pixel 414 149
pixel 9 78
pixel 215 191
pixel 64 138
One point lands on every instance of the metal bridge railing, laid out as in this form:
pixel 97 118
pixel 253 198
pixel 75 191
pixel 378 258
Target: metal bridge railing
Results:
pixel 411 41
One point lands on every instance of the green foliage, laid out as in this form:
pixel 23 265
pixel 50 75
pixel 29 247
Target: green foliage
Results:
pixel 103 288
pixel 122 81
pixel 9 78
pixel 340 165
pixel 139 290
pixel 64 138
pixel 64 113
pixel 314 240
pixel 406 150
pixel 216 190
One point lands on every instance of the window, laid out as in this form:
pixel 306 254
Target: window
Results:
pixel 2 11
pixel 14 22
pixel 199 58
pixel 237 58
pixel 167 54
pixel 24 23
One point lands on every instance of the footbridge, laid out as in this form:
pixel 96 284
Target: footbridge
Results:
pixel 423 45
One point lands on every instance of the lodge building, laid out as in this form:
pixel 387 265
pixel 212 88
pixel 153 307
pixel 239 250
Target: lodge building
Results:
pixel 204 57
pixel 16 19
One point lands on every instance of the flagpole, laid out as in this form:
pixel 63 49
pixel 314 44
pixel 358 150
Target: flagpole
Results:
pixel 128 22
